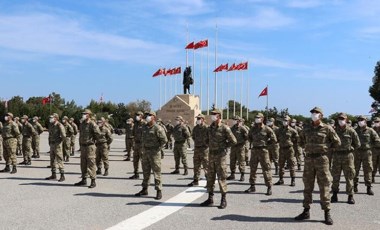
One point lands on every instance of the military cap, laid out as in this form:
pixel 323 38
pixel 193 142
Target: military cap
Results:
pixel 25 117
pixel 130 119
pixel 17 118
pixel 71 119
pixel 65 118
pixel 342 115
pixel 271 119
pixel 87 111
pixel 152 113
pixel 55 115
pixel 179 118
pixel 200 116
pixel 259 115
pixel 316 110
pixel 35 118
pixel 361 117
pixel 139 113
pixel 332 121
pixel 236 118
pixel 294 121
pixel 376 119
pixel 286 118
pixel 216 111
pixel 349 122
pixel 10 115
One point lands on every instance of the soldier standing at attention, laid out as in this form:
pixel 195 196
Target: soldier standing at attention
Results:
pixel 246 146
pixel 169 128
pixel 57 135
pixel 67 141
pixel 181 134
pixel 317 139
pixel 260 136
pixel 343 158
pixel 137 150
pixel 10 133
pixel 73 137
pixel 88 134
pixel 297 148
pixel 274 147
pixel 153 139
pixel 19 138
pixel 27 133
pixel 363 155
pixel 129 139
pixel 237 154
pixel 159 122
pixel 36 138
pixel 376 150
pixel 102 150
pixel 201 150
pixel 220 136
pixel 286 137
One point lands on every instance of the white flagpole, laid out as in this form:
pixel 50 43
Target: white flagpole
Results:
pixel 228 96
pixel 235 93
pixel 165 90
pixel 200 90
pixel 208 85
pixel 160 93
pixel 216 62
pixel 221 94
pixel 241 95
pixel 195 82
pixel 247 95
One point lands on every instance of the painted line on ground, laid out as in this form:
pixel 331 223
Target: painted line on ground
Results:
pixel 163 210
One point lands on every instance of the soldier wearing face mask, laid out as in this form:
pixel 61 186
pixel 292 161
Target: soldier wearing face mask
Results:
pixel 19 138
pixel 36 138
pixel 343 158
pixel 180 134
pixel 137 150
pixel 376 150
pixel 260 136
pixel 10 133
pixel 169 128
pixel 317 138
pixel 297 148
pixel 201 150
pixel 102 150
pixel 363 155
pixel 27 133
pixel 274 147
pixel 237 154
pixel 73 137
pixel 129 139
pixel 67 141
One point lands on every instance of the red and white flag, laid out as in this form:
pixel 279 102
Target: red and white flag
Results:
pixel 264 92
pixel 45 100
pixel 177 70
pixel 201 44
pixel 242 66
pixel 232 67
pixel 159 72
pixel 190 45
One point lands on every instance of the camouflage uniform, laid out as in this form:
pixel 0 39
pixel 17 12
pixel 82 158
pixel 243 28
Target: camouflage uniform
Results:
pixel 73 137
pixel 343 159
pixel 27 133
pixel 57 135
pixel 201 150
pixel 1 143
pixel 297 148
pixel 129 139
pixel 260 137
pixel 376 151
pixel 10 133
pixel 180 135
pixel 36 138
pixel 19 138
pixel 159 122
pixel 169 134
pixel 331 151
pixel 67 141
pixel 137 150
pixel 363 155
pixel 274 147
pixel 104 140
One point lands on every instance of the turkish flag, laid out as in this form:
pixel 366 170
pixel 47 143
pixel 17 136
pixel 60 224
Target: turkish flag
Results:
pixel 217 69
pixel 190 45
pixel 201 44
pixel 45 100
pixel 232 67
pixel 242 66
pixel 170 71
pixel 177 70
pixel 224 67
pixel 264 92
pixel 159 72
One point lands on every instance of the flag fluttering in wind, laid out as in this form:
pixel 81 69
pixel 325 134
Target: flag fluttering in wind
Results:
pixel 159 72
pixel 46 100
pixel 201 44
pixel 264 92
pixel 242 66
pixel 232 67
pixel 190 45
pixel 221 68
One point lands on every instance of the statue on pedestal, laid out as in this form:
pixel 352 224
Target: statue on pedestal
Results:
pixel 187 80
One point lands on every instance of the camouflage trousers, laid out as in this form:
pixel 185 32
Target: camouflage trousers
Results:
pixel 36 144
pixel 102 155
pixel 87 161
pixel 27 148
pixel 217 166
pixel 180 154
pixel 129 143
pixel 151 161
pixel 376 161
pixel 72 144
pixel 363 157
pixel 19 144
pixel 298 153
pixel 237 155
pixel 200 159
pixel 343 161
pixel 1 148
pixel 56 157
pixel 137 154
pixel 9 151
pixel 330 156
pixel 274 153
pixel 66 147
pixel 246 151
pixel 260 155
pixel 287 155
pixel 317 167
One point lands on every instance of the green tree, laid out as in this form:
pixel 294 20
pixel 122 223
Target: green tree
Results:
pixel 374 90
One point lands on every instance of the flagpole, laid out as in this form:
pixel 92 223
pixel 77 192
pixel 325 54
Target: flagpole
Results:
pixel 200 91
pixel 160 92
pixel 221 95
pixel 164 90
pixel 216 89
pixel 267 101
pixel 235 94
pixel 187 42
pixel 208 85
pixel 241 95
pixel 248 95
pixel 228 95
pixel 194 71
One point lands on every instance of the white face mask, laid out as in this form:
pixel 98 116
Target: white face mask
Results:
pixel 234 122
pixel 342 122
pixel 270 123
pixel 63 121
pixel 293 124
pixel 177 122
pixel 148 118
pixel 285 123
pixel 315 116
pixel 51 120
pixel 138 118
pixel 377 124
pixel 34 121
pixel 362 123
pixel 214 117
pixel 23 120
pixel 6 118
pixel 84 116
pixel 199 122
pixel 257 120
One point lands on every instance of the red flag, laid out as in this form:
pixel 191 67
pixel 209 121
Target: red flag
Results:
pixel 159 72
pixel 242 66
pixel 170 71
pixel 221 67
pixel 201 44
pixel 178 70
pixel 232 67
pixel 264 92
pixel 217 69
pixel 45 100
pixel 190 45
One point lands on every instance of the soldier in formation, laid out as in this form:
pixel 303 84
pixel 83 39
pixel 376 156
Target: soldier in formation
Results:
pixel 36 138
pixel 27 132
pixel 274 147
pixel 103 142
pixel 376 151
pixel 169 134
pixel 67 141
pixel 10 133
pixel 73 137
pixel 129 139
pixel 138 148
pixel 180 134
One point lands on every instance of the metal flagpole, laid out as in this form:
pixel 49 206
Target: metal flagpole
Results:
pixel 164 90
pixel 267 101
pixel 235 94
pixel 221 94
pixel 194 71
pixel 248 95
pixel 208 86
pixel 200 90
pixel 228 97
pixel 160 93
pixel 216 89
pixel 241 95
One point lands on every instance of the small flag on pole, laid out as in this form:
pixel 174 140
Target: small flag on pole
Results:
pixel 264 92
pixel 159 72
pixel 45 100
pixel 201 44
pixel 190 46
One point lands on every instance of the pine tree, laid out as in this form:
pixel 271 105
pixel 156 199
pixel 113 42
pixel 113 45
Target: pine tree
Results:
pixel 374 90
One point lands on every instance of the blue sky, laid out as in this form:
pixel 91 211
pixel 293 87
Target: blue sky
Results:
pixel 309 52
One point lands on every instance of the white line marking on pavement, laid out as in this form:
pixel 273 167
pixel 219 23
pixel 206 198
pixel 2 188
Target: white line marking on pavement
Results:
pixel 163 210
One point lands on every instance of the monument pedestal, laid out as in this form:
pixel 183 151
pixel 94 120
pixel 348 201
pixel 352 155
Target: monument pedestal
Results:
pixel 185 105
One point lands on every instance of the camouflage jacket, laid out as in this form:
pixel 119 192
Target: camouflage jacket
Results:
pixel 180 133
pixel 10 130
pixel 138 130
pixel 169 128
pixel 261 136
pixel 75 128
pixel 348 137
pixel 69 129
pixel 105 136
pixel 153 137
pixel 56 133
pixel 28 130
pixel 368 138
pixel 220 136
pixel 38 127
pixel 88 132
pixel 240 133
pixel 275 130
pixel 200 135
pixel 129 131
pixel 287 136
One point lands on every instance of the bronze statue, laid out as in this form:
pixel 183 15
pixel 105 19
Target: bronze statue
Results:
pixel 187 80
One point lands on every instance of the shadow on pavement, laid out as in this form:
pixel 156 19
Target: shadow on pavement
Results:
pixel 53 183
pixel 23 178
pixel 97 194
pixel 260 219
pixel 154 203
pixel 282 200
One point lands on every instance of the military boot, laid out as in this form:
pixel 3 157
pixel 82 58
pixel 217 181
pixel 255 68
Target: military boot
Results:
pixel 135 176
pixel 34 155
pixel 251 189
pixel 293 182
pixel 369 191
pixel 14 169
pixel 158 195
pixel 82 182
pixel 275 169
pixel 299 167
pixel 209 201
pixel 128 158
pixel 176 171
pixel 334 197
pixel 193 183
pixel 232 176
pixel 242 177
pixel 6 169
pixel 22 163
pixel 373 178
pixel 269 191
pixel 305 215
pixel 355 188
pixel 280 181
pixel 223 202
pixel 62 178
pixel 52 177
pixel 99 171
pixel 351 199
pixel 105 172
pixel 143 192
pixel 93 184
pixel 185 171
pixel 38 155
pixel 328 219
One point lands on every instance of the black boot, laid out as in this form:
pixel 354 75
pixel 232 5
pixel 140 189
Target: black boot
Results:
pixel 373 178
pixel 22 163
pixel 280 181
pixel 135 176
pixel 242 177
pixel 351 199
pixel 185 172
pixel 52 177
pixel 209 201
pixel 82 182
pixel 128 158
pixel 193 183
pixel 93 184
pixel 176 171
pixel 251 189
pixel 355 188
pixel 328 219
pixel 105 172
pixel 299 167
pixel 269 191
pixel 275 169
pixel 223 202
pixel 38 155
pixel 143 192
pixel 6 169
pixel 158 195
pixel 34 155
pixel 99 171
pixel 293 182
pixel 14 169
pixel 62 178
pixel 232 176
pixel 369 191
pixel 334 197
pixel 305 215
